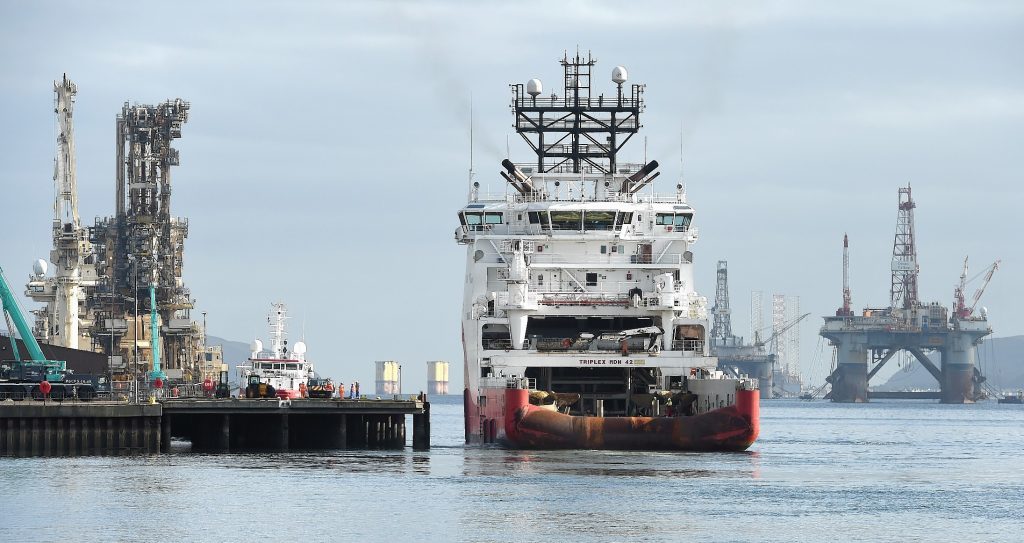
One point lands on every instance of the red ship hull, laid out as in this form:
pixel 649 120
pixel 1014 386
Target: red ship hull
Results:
pixel 732 428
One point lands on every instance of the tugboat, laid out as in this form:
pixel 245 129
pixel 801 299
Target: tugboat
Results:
pixel 581 326
pixel 278 373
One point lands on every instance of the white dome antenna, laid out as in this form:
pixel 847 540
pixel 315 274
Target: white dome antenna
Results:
pixel 534 88
pixel 619 75
pixel 299 348
pixel 257 345
pixel 39 267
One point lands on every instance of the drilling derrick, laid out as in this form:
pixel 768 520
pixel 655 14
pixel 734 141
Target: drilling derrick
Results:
pixel 872 339
pixel 143 297
pixel 721 328
pixel 734 356
pixel 845 310
pixel 903 293
pixel 116 287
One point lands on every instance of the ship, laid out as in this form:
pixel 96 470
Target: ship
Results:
pixel 581 325
pixel 277 372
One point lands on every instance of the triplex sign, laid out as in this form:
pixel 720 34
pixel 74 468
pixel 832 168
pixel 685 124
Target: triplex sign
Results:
pixel 612 361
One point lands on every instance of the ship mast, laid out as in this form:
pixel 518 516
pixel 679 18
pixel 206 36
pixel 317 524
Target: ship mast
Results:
pixel 577 132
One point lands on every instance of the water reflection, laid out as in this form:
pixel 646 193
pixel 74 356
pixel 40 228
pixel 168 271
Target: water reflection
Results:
pixel 489 462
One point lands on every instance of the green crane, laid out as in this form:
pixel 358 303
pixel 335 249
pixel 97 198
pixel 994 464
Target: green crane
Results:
pixel 20 378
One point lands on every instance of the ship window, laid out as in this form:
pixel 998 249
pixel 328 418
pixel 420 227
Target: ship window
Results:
pixel 623 219
pixel 683 221
pixel 540 279
pixel 599 220
pixel 566 220
pixel 472 218
pixel 492 218
pixel 663 219
pixel 534 217
pixel 604 249
pixel 278 366
pixel 591 279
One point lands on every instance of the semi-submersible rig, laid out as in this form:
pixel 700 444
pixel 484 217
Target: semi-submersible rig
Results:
pixel 117 286
pixel 908 325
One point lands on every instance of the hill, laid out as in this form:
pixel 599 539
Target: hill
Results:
pixel 235 352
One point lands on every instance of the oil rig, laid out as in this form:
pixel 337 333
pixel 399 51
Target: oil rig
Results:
pixel 760 359
pixel 117 286
pixel 877 334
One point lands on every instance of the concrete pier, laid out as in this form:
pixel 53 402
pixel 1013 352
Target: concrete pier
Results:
pixel 33 428
pixel 270 424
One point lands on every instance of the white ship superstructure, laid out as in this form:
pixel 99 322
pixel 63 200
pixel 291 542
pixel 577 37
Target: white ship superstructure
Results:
pixel 579 279
pixel 286 371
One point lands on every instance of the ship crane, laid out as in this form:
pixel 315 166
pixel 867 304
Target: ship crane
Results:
pixel 68 235
pixel 760 344
pixel 960 307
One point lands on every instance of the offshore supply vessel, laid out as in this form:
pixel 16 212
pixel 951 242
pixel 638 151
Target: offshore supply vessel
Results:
pixel 581 327
pixel 278 372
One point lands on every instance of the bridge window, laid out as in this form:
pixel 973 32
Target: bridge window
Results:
pixel 566 220
pixel 472 219
pixel 534 217
pixel 599 220
pixel 623 219
pixel 492 218
pixel 680 221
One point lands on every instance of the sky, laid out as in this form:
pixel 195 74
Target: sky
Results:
pixel 327 148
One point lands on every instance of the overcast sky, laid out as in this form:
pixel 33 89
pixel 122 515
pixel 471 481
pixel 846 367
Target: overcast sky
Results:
pixel 327 148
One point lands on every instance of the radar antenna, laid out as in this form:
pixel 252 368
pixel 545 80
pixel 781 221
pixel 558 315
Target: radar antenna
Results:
pixel 577 132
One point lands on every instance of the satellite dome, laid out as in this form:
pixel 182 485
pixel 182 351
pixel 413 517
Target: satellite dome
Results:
pixel 39 267
pixel 299 348
pixel 534 87
pixel 619 75
pixel 257 345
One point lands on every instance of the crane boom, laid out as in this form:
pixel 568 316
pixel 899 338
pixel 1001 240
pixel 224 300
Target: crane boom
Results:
pixel 69 241
pixel 782 330
pixel 10 307
pixel 984 283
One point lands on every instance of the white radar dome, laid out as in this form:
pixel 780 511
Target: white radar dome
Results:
pixel 257 345
pixel 534 87
pixel 619 75
pixel 299 348
pixel 39 267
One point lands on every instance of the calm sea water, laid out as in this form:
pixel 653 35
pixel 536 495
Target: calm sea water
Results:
pixel 896 471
